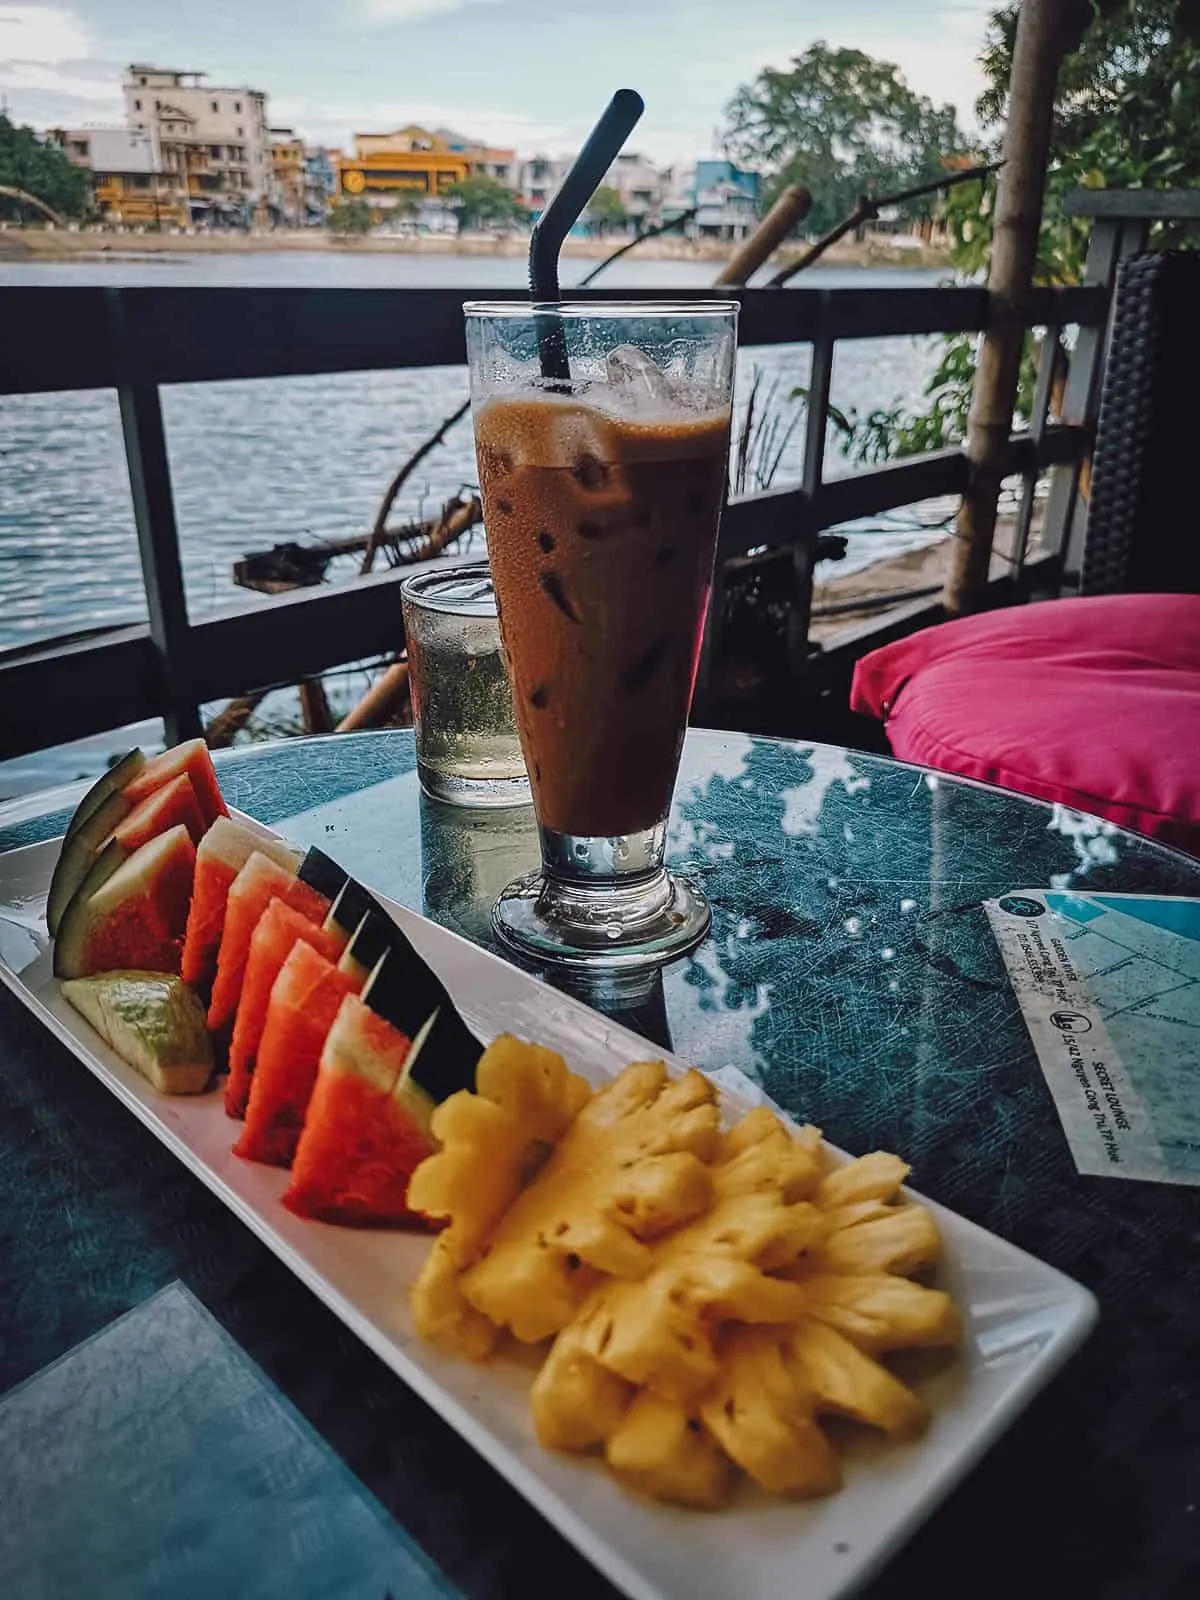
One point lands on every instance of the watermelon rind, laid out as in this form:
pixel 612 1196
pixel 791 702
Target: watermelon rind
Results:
pixel 103 866
pixel 136 877
pixel 372 940
pixel 405 991
pixel 349 908
pixel 78 853
pixel 234 842
pixel 118 775
pixel 153 1021
pixel 322 873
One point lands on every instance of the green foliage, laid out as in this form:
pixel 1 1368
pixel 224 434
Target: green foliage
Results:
pixel 843 125
pixel 481 200
pixel 41 169
pixel 606 209
pixel 1127 115
pixel 350 216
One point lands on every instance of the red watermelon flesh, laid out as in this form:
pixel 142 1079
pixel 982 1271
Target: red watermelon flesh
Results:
pixel 361 1141
pixel 304 1002
pixel 136 919
pixel 278 930
pixel 174 804
pixel 191 757
pixel 259 882
pixel 223 852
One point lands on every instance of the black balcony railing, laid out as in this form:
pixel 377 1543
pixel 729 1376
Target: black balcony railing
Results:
pixel 136 340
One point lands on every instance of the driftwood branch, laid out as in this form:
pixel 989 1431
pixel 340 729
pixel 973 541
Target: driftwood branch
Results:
pixel 379 528
pixel 638 238
pixel 868 209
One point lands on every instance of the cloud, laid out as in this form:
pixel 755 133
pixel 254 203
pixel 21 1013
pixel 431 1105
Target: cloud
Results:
pixel 386 11
pixel 45 34
pixel 48 67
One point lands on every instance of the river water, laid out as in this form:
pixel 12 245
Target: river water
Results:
pixel 255 463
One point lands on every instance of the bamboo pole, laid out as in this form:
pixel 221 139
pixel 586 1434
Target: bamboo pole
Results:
pixel 1043 35
pixel 380 700
pixel 791 208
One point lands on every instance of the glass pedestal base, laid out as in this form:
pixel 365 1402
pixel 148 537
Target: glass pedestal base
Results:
pixel 593 913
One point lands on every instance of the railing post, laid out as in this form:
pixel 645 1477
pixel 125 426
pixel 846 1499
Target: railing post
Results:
pixel 157 534
pixel 1047 361
pixel 816 426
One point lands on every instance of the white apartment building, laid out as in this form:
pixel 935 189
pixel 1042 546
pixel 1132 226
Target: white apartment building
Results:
pixel 216 140
pixel 642 186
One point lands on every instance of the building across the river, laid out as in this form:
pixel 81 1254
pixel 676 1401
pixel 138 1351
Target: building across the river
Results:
pixel 130 184
pixel 290 177
pixel 215 141
pixel 390 170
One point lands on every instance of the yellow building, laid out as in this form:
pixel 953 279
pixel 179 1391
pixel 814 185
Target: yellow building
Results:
pixel 287 169
pixel 416 161
pixel 129 182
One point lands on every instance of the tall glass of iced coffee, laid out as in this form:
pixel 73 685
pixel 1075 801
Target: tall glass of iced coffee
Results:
pixel 602 490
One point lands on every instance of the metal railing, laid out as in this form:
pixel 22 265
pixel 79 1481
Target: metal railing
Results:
pixel 137 340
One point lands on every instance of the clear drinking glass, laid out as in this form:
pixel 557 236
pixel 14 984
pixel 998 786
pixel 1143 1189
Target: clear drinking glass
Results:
pixel 468 749
pixel 602 492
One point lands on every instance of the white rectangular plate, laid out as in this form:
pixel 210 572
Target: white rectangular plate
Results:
pixel 1022 1317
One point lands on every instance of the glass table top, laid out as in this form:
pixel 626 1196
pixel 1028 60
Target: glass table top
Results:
pixel 848 953
pixel 851 971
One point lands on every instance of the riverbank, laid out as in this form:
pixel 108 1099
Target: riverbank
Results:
pixel 844 603
pixel 56 244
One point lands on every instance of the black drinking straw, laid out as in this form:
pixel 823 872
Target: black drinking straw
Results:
pixel 564 211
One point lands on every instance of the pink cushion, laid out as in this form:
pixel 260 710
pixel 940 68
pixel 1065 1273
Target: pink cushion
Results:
pixel 1094 703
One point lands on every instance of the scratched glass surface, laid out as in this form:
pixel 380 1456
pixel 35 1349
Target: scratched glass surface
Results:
pixel 850 970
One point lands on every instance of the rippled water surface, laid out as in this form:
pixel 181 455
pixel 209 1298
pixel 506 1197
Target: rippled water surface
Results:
pixel 256 463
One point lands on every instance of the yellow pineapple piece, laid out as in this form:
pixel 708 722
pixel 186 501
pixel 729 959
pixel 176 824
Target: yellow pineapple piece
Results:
pixel 664 1450
pixel 879 1312
pixel 762 1417
pixel 904 1240
pixel 492 1143
pixel 842 1379
pixel 630 1167
pixel 878 1176
pixel 576 1402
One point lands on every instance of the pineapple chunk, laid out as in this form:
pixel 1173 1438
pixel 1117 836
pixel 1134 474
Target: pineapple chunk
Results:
pixel 663 1450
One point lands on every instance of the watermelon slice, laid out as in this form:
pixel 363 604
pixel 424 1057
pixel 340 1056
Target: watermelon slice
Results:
pixel 137 918
pixel 163 808
pixel 361 1140
pixel 118 775
pixel 278 929
pixel 259 882
pixel 191 757
pixel 224 851
pixel 406 992
pixel 304 1001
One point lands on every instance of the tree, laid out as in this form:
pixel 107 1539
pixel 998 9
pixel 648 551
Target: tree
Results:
pixel 842 124
pixel 1127 114
pixel 41 169
pixel 606 209
pixel 481 199
pixel 351 216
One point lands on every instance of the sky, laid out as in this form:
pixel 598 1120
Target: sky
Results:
pixel 529 73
